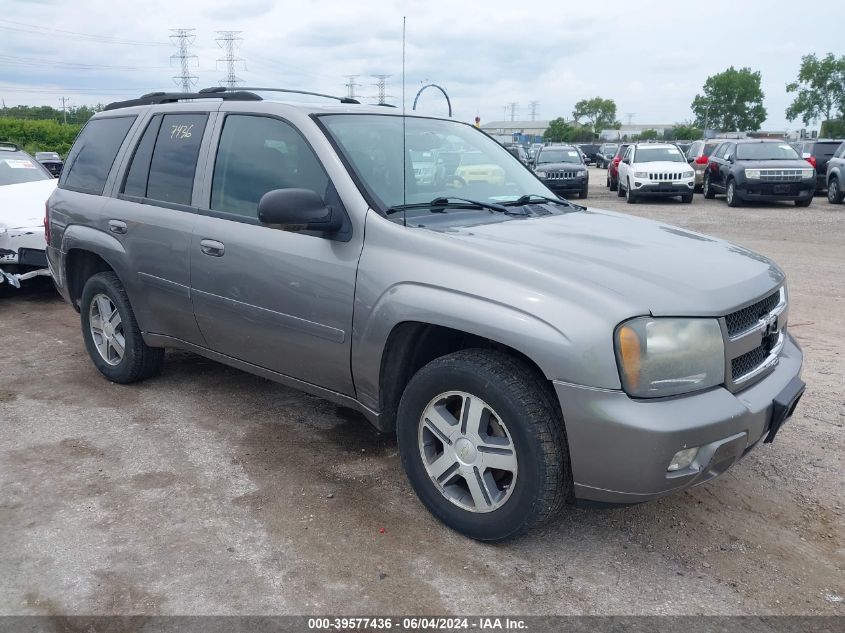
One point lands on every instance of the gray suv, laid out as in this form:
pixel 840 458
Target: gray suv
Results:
pixel 527 352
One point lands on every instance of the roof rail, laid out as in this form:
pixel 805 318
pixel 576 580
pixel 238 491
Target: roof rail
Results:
pixel 153 98
pixel 223 90
pixel 8 146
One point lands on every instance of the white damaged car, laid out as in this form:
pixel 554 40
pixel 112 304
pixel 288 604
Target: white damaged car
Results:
pixel 25 186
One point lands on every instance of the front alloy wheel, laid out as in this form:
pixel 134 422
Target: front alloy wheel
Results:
pixel 467 451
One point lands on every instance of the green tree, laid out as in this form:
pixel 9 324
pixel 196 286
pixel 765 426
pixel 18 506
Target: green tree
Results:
pixel 820 89
pixel 833 128
pixel 39 136
pixel 648 135
pixel 731 101
pixel 599 113
pixel 684 132
pixel 558 131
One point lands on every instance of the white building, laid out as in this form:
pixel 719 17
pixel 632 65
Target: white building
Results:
pixel 631 130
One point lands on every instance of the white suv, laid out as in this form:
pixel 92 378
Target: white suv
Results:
pixel 655 169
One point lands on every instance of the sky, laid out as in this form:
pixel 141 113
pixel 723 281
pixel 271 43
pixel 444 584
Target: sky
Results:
pixel 650 57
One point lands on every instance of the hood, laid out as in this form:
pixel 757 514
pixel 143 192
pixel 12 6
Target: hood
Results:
pixel 662 165
pixel 561 167
pixel 650 266
pixel 22 205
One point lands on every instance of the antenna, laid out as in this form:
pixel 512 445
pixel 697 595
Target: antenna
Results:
pixel 404 151
pixel 226 41
pixel 184 39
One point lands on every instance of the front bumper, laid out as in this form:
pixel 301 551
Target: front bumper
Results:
pixel 767 192
pixel 620 447
pixel 664 188
pixel 568 184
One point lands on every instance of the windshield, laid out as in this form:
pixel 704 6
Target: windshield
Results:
pixel 765 151
pixel 466 163
pixel 559 156
pixel 659 154
pixel 608 149
pixel 18 168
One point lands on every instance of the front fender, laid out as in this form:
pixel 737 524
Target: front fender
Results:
pixel 404 302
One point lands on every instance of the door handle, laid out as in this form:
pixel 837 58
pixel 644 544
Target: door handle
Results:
pixel 117 226
pixel 212 247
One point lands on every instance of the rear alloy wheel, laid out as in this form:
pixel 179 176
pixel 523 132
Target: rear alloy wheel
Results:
pixel 707 189
pixel 731 196
pixel 630 196
pixel 835 195
pixel 482 442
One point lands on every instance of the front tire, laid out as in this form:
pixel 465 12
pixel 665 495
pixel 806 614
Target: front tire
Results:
pixel 630 196
pixel 835 195
pixel 483 444
pixel 731 196
pixel 583 193
pixel 803 203
pixel 686 198
pixel 111 333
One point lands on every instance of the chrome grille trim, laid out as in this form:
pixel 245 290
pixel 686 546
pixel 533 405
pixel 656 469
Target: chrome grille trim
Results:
pixel 752 352
pixel 666 176
pixel 561 175
pixel 780 175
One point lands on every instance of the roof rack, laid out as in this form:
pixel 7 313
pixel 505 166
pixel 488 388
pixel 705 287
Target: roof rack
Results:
pixel 218 90
pixel 153 98
pixel 8 146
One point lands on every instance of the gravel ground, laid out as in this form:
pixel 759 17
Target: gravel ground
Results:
pixel 210 491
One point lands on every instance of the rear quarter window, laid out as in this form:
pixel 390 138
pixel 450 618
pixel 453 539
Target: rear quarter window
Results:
pixel 92 156
pixel 174 158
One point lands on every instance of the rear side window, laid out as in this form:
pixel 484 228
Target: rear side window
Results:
pixel 174 159
pixel 139 170
pixel 93 154
pixel 257 154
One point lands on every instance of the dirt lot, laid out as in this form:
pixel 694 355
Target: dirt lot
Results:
pixel 208 490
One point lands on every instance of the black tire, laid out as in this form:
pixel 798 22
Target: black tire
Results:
pixel 630 196
pixel 139 361
pixel 803 203
pixel 835 195
pixel 614 185
pixel 620 192
pixel 532 416
pixel 583 193
pixel 707 189
pixel 686 198
pixel 731 196
pixel 697 189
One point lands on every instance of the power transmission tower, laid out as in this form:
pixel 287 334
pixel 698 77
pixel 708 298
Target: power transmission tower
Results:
pixel 512 106
pixel 382 88
pixel 227 40
pixel 65 101
pixel 184 39
pixel 351 85
pixel 533 105
pixel 630 116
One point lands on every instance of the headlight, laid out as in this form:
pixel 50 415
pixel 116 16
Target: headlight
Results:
pixel 752 174
pixel 689 174
pixel 808 173
pixel 640 174
pixel 667 356
pixel 540 174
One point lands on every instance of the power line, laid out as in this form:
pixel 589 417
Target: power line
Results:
pixel 184 39
pixel 351 85
pixel 533 105
pixel 382 88
pixel 34 28
pixel 227 41
pixel 50 63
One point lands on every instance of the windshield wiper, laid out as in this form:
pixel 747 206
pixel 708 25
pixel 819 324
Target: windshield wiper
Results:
pixel 526 199
pixel 439 205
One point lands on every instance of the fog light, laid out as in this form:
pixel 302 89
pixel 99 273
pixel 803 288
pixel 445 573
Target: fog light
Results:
pixel 638 184
pixel 682 459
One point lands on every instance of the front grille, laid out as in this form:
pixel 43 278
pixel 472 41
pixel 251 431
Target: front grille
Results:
pixel 562 175
pixel 749 361
pixel 745 319
pixel 665 176
pixel 781 175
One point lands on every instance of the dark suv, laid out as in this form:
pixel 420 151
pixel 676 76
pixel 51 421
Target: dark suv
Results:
pixel 817 153
pixel 562 169
pixel 590 151
pixel 759 170
pixel 836 176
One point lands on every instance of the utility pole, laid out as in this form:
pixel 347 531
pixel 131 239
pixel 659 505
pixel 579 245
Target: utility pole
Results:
pixel 227 40
pixel 513 105
pixel 65 102
pixel 184 39
pixel 351 85
pixel 533 105
pixel 382 88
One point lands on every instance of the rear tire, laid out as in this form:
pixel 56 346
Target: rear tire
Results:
pixel 731 196
pixel 515 411
pixel 707 188
pixel 111 333
pixel 614 185
pixel 835 195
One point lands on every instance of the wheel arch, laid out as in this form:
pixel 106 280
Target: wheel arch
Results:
pixel 87 252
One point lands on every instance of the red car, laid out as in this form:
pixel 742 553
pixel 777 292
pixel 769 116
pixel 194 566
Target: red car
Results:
pixel 613 167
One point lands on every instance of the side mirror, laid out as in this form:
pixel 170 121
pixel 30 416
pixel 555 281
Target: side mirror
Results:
pixel 627 161
pixel 690 159
pixel 301 209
